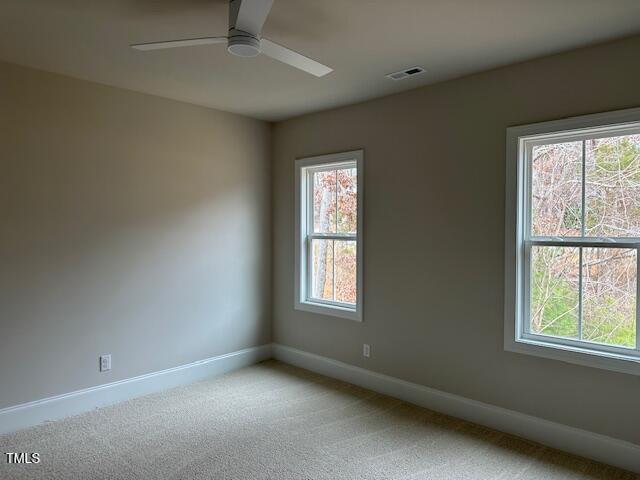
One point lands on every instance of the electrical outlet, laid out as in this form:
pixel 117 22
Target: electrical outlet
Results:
pixel 366 350
pixel 105 362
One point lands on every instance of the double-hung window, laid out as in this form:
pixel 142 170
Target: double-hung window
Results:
pixel 573 240
pixel 328 245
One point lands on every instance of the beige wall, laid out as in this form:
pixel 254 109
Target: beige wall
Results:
pixel 434 235
pixel 129 225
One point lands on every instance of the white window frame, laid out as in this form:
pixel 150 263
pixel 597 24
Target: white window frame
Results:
pixel 304 167
pixel 517 339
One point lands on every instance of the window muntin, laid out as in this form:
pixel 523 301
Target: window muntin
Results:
pixel 329 243
pixel 580 214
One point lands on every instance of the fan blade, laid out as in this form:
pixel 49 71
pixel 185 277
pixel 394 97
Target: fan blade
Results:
pixel 249 15
pixel 294 59
pixel 188 42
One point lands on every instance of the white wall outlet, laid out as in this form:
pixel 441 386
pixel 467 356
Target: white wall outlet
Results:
pixel 105 363
pixel 366 350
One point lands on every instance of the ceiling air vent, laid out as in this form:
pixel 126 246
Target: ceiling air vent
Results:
pixel 409 72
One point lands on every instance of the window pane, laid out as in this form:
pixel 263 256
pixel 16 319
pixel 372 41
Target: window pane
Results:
pixel 556 203
pixel 609 295
pixel 324 201
pixel 346 269
pixel 347 200
pixel 322 265
pixel 613 186
pixel 554 291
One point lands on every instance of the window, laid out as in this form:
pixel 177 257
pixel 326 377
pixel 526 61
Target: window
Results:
pixel 329 235
pixel 573 235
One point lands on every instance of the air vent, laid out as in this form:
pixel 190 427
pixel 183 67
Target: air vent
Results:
pixel 409 72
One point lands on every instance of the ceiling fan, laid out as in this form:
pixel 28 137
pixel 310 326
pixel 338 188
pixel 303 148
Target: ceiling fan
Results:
pixel 246 18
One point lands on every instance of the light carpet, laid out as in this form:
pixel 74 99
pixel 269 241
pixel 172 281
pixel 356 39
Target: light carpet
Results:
pixel 274 421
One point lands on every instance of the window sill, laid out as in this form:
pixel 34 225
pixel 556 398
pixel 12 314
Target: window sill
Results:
pixel 329 310
pixel 578 356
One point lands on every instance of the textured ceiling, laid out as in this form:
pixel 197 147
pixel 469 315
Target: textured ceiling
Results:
pixel 361 39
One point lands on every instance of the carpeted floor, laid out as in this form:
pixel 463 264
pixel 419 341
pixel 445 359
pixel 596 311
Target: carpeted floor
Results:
pixel 274 421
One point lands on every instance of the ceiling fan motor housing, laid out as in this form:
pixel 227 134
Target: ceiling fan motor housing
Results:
pixel 243 44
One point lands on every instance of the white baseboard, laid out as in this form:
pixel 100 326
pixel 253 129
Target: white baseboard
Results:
pixel 72 403
pixel 569 439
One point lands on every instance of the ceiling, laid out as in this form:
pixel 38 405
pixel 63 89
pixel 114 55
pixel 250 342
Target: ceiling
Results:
pixel 361 39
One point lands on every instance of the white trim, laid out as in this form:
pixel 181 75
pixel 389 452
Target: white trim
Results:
pixel 72 403
pixel 598 447
pixel 302 233
pixel 516 338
